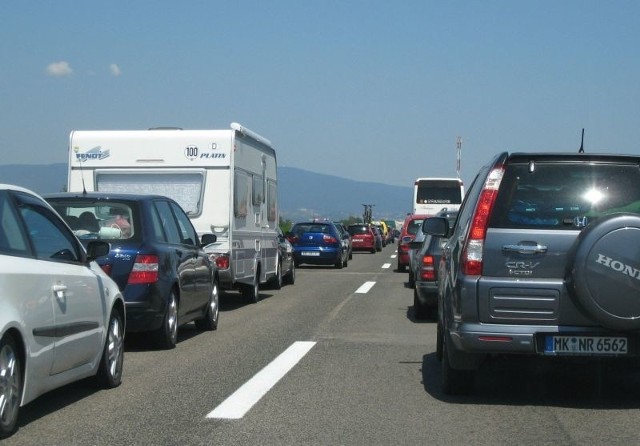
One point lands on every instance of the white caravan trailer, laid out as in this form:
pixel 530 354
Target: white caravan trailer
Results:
pixel 226 181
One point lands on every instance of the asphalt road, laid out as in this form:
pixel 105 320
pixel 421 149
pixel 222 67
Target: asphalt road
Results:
pixel 369 377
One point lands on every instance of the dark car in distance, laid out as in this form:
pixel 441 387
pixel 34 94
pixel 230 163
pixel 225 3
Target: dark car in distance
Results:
pixel 156 258
pixel 423 275
pixel 318 243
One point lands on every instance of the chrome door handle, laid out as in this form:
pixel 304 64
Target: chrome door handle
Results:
pixel 525 249
pixel 59 290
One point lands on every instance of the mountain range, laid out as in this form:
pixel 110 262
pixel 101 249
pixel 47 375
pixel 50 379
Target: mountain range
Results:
pixel 302 194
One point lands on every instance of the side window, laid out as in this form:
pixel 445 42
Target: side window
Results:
pixel 51 238
pixel 241 194
pixel 168 222
pixel 258 190
pixel 272 201
pixel 188 235
pixel 158 229
pixel 12 239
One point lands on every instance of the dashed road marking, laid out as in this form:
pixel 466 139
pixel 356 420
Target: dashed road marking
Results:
pixel 243 399
pixel 365 287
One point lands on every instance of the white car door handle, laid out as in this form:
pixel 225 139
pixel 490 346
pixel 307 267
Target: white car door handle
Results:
pixel 59 290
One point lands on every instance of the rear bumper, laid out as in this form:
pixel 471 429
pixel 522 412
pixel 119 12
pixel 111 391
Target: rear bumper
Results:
pixel 526 339
pixel 324 257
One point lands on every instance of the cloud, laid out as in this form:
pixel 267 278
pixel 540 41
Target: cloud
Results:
pixel 115 69
pixel 59 69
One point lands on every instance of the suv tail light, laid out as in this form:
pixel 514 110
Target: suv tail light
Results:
pixel 471 262
pixel 427 272
pixel 145 270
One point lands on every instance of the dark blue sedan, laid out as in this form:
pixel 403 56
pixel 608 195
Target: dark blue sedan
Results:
pixel 156 258
pixel 318 243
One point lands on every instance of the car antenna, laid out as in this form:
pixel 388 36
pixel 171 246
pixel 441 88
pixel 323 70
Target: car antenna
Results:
pixel 582 143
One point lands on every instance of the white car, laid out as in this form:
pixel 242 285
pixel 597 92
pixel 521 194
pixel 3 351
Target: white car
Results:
pixel 61 317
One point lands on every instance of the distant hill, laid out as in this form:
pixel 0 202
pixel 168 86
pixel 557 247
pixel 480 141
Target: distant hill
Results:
pixel 303 194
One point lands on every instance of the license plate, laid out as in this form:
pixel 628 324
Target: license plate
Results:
pixel 586 345
pixel 310 253
pixel 358 240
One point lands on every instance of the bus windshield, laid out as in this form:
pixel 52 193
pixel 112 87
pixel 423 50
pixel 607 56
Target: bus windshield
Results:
pixel 431 195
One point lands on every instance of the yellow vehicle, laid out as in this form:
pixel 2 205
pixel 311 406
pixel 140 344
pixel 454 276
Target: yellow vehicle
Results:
pixel 384 228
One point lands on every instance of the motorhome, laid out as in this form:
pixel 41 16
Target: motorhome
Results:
pixel 226 181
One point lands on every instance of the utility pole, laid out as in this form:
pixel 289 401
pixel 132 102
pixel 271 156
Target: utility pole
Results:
pixel 458 154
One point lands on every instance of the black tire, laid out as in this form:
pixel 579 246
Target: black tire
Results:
pixel 11 392
pixel 167 335
pixel 276 281
pixel 412 281
pixel 290 277
pixel 454 381
pixel 251 293
pixel 419 310
pixel 346 262
pixel 601 276
pixel 110 371
pixel 439 341
pixel 339 264
pixel 212 313
pixel 401 268
pixel 373 250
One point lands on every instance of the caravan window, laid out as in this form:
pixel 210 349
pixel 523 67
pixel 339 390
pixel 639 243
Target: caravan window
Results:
pixel 258 190
pixel 272 201
pixel 183 187
pixel 241 195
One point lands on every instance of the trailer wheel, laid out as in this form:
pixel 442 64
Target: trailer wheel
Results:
pixel 251 292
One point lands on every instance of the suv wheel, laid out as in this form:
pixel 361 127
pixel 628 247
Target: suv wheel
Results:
pixel 454 381
pixel 419 310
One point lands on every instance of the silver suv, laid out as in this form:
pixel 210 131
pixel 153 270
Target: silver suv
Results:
pixel 544 259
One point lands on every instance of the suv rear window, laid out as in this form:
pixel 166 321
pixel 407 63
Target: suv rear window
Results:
pixel 564 195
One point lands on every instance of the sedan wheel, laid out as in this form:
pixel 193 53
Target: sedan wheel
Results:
pixel 210 320
pixel 110 371
pixel 10 386
pixel 168 333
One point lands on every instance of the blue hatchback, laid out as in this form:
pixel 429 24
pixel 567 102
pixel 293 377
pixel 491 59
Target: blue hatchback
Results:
pixel 318 243
pixel 156 258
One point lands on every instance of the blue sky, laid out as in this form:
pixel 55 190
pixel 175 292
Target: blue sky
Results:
pixel 369 90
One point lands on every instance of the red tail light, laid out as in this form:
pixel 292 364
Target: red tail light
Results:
pixel 293 239
pixel 145 270
pixel 107 269
pixel 472 252
pixel 329 239
pixel 221 260
pixel 428 271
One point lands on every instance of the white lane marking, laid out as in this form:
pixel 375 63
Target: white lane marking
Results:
pixel 386 265
pixel 365 287
pixel 243 399
pixel 394 256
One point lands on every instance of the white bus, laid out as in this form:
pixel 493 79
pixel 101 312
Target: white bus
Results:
pixel 431 195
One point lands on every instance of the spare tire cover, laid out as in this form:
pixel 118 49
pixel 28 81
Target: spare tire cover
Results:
pixel 605 273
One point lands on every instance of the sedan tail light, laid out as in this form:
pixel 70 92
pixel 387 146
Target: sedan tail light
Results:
pixel 329 239
pixel 145 270
pixel 106 268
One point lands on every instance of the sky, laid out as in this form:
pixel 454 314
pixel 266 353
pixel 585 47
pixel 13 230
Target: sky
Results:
pixel 376 91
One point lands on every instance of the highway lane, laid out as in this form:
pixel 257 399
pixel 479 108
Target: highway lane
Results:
pixel 370 378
